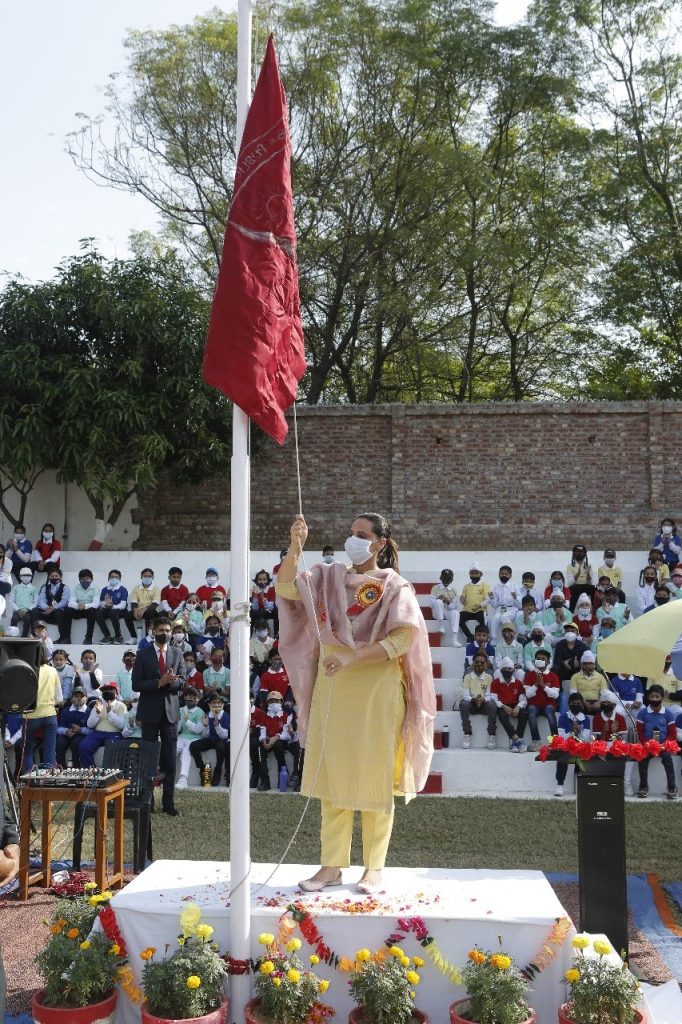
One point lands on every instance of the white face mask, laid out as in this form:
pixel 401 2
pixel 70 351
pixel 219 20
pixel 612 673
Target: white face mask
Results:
pixel 191 605
pixel 610 562
pixel 358 550
pixel 667 530
pixel 261 634
pixel 48 537
pixel 114 584
pixel 211 580
pixel 274 710
pixel 540 664
pixel 328 559
pixel 147 581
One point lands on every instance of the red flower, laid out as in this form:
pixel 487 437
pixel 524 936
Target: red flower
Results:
pixel 619 748
pixel 653 748
pixel 600 748
pixel 585 751
pixel 572 746
pixel 671 747
pixel 544 753
pixel 637 752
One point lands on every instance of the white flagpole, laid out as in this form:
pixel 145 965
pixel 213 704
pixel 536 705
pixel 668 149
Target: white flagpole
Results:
pixel 240 712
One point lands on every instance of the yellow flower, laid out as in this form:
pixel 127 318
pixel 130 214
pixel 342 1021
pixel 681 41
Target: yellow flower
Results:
pixel 417 961
pixel 106 895
pixel 396 950
pixel 189 919
pixel 412 977
pixel 72 933
pixel 94 900
pixel 500 961
pixel 193 981
pixel 411 994
pixel 580 942
pixel 602 947
pixel 90 885
pixel 404 960
pixel 276 981
pixel 181 940
pixel 323 985
pixel 363 954
pixel 204 931
pixel 294 975
pixel 267 967
pixel 293 944
pixel 115 949
pixel 572 974
pixel 314 959
pixel 85 944
pixel 266 938
pixel 476 956
pixel 147 953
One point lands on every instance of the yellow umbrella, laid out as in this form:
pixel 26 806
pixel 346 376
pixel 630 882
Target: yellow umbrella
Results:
pixel 642 646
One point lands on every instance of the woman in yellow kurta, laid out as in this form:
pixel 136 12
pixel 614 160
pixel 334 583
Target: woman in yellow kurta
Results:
pixel 356 649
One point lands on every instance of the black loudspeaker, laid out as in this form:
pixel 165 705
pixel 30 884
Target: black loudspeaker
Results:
pixel 19 667
pixel 601 856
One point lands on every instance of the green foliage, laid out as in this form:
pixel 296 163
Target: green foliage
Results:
pixel 601 992
pixel 289 992
pixel 496 989
pixel 385 987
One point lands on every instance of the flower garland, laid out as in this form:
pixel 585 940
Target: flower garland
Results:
pixel 418 926
pixel 549 948
pixel 126 978
pixel 600 748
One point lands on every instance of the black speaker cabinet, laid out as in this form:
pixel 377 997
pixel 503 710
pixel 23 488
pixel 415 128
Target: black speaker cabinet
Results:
pixel 19 666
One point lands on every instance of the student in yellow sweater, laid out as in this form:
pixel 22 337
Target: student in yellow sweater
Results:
pixel 44 716
pixel 473 595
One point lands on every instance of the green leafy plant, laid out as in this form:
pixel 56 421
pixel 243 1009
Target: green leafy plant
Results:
pixel 289 992
pixel 384 985
pixel 600 992
pixel 496 989
pixel 79 968
pixel 189 982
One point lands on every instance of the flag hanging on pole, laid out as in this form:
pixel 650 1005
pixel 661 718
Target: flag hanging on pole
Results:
pixel 254 350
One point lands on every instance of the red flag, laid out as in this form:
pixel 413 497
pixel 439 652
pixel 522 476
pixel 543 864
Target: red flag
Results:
pixel 254 351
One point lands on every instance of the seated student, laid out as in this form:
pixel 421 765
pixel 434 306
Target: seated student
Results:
pixel 662 569
pixel 13 740
pixel 585 619
pixel 106 721
pixel 668 541
pixel 260 645
pixel 477 700
pixel 83 604
pixel 216 728
pixel 611 569
pixel 555 617
pixel 46 554
pixel 211 586
pixel 216 674
pixel 53 600
pixel 90 674
pixel 179 636
pixel 579 575
pixel 509 646
pixel 655 722
pixel 543 688
pixel 39 632
pixel 213 637
pixel 471 600
pixel 445 604
pixel 526 619
pixel 675 581
pixel 193 619
pixel 589 683
pixel 556 585
pixel 5 574
pixel 606 628
pixel 145 598
pixel 19 549
pixel 193 677
pixel 274 678
pixel 609 723
pixel 133 726
pixel 598 596
pixel 537 642
pixel 481 642
pixel 509 695
pixel 529 589
pixel 113 606
pixel 174 594
pixel 646 589
pixel 65 671
pixel 218 609
pixel 501 600
pixel 573 722
pixel 630 692
pixel 662 596
pixel 295 749
pixel 263 599
pixel 190 728
pixel 271 735
pixel 72 727
pixel 612 606
pixel 124 678
pixel 23 600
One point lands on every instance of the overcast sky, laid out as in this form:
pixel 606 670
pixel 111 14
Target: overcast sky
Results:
pixel 55 57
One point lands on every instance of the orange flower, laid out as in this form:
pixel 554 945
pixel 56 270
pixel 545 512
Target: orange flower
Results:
pixel 476 956
pixel 147 953
pixel 72 933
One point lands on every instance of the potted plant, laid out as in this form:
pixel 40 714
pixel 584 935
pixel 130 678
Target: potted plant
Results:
pixel 496 991
pixel 288 992
pixel 600 992
pixel 80 970
pixel 383 986
pixel 187 985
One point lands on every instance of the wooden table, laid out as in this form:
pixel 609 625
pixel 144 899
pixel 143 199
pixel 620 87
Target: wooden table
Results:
pixel 46 795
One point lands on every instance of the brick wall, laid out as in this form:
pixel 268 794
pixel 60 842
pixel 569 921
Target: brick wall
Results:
pixel 449 476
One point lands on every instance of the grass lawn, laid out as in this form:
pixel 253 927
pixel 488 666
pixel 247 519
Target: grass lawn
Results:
pixel 447 832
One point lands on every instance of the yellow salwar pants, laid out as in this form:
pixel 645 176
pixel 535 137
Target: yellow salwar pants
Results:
pixel 337 833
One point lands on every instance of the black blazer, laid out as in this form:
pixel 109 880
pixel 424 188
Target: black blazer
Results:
pixel 155 701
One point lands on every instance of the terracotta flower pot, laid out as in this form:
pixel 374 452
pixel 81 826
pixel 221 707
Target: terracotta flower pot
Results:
pixel 102 1012
pixel 252 1013
pixel 218 1016
pixel 565 1019
pixel 357 1016
pixel 462 1004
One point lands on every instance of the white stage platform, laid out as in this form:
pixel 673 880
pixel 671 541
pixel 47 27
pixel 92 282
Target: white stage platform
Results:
pixel 460 909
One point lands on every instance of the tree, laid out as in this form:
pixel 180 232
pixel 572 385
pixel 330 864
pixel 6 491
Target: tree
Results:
pixel 102 371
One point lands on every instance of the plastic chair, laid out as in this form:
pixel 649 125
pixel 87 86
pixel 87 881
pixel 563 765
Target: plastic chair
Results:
pixel 139 761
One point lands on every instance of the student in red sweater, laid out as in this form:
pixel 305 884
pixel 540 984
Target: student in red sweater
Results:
pixel 608 724
pixel 270 733
pixel 274 678
pixel 543 688
pixel 47 551
pixel 212 586
pixel 508 693
pixel 174 595
pixel 193 677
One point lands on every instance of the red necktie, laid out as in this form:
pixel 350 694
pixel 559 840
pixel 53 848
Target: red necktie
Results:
pixel 162 662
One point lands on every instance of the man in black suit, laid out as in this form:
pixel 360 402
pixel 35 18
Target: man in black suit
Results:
pixel 158 673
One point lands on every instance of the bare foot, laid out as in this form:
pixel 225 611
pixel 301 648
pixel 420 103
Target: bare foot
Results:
pixel 321 879
pixel 371 881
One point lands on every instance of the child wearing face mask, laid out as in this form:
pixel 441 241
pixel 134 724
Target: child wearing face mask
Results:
pixel 579 574
pixel 174 594
pixel 107 719
pixel 542 688
pixel 124 678
pixel 610 568
pixel 473 595
pixel 262 598
pixel 23 599
pixel 656 722
pixel 328 554
pixel 613 608
pixel 662 569
pixel 526 619
pixel 193 618
pixel 216 674
pixel 19 549
pixel 47 551
pixel 501 601
pixel 509 646
pixel 90 674
pixel 274 679
pixel 445 604
pixel 72 727
pixel 193 677
pixel 216 736
pixel 83 604
pixel 260 645
pixel 572 722
pixel 555 617
pixel 65 671
pixel 145 598
pixel 179 637
pixel 273 734
pixel 211 586
pixel 668 542
pixel 113 606
pixel 556 585
pixel 589 683
pixel 508 692
pixel 646 588
pixel 585 619
pixel 529 588
pixel 190 728
pixel 211 638
pixel 568 652
pixel 607 627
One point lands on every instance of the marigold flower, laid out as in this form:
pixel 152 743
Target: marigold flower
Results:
pixel 189 919
pixel 204 931
pixel 72 933
pixel 266 938
pixel 412 977
pixel 405 961
pixel 294 975
pixel 476 956
pixel 580 942
pixel 293 944
pixel 90 885
pixel 56 928
pixel 106 895
pixel 417 961
pixel 267 967
pixel 412 994
pixel 85 944
pixel 115 949
pixel 572 974
pixel 193 981
pixel 500 961
pixel 147 953
pixel 323 985
pixel 314 959
pixel 396 950
pixel 94 900
pixel 363 954
pixel 276 981
pixel 602 947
